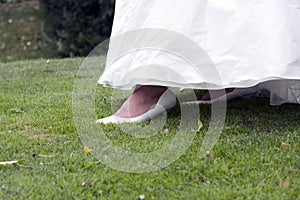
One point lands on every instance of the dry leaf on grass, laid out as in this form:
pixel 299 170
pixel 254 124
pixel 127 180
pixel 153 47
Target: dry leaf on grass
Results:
pixel 284 184
pixel 209 154
pixel 87 150
pixel 200 178
pixel 285 144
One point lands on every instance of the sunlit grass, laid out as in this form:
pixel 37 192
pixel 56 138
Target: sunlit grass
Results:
pixel 257 156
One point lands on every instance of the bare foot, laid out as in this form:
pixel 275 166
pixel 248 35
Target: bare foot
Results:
pixel 140 101
pixel 215 94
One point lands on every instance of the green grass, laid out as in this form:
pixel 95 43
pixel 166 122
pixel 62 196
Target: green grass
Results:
pixel 36 118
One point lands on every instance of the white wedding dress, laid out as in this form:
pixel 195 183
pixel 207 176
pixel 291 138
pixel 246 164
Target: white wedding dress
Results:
pixel 249 42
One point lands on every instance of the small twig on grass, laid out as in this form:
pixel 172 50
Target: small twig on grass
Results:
pixel 42 156
pixel 8 162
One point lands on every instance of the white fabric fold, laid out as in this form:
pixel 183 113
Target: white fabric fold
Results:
pixel 249 42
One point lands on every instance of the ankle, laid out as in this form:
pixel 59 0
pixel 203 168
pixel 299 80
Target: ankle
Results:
pixel 150 91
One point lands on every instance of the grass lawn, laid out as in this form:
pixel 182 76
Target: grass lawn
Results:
pixel 257 156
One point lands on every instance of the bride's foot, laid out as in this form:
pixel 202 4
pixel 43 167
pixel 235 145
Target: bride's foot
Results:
pixel 140 101
pixel 214 94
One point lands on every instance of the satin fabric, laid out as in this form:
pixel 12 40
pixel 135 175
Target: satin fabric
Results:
pixel 249 42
